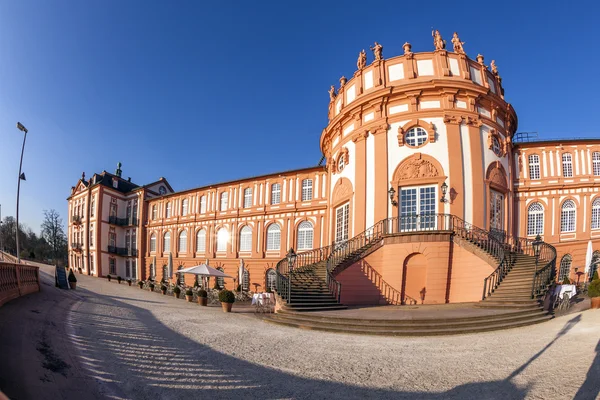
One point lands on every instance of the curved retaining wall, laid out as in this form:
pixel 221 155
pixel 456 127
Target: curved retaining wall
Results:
pixel 17 280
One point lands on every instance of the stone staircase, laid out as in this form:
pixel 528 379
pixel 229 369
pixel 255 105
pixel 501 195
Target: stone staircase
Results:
pixel 310 291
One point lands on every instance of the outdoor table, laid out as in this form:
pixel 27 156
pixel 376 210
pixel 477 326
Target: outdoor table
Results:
pixel 559 290
pixel 262 300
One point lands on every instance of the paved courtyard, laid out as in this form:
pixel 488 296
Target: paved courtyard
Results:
pixel 106 340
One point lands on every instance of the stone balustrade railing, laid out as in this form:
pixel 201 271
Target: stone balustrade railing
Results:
pixel 17 280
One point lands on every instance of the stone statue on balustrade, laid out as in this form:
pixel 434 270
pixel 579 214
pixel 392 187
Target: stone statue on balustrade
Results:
pixel 343 81
pixel 362 60
pixel 438 42
pixel 458 45
pixel 407 48
pixel 377 50
pixel 332 94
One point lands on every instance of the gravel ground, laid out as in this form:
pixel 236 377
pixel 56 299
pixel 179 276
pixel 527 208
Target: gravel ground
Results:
pixel 125 343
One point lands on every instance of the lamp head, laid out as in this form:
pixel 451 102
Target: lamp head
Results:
pixel 21 127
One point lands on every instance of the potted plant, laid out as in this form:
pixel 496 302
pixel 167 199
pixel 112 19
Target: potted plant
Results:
pixel 119 279
pixel 108 277
pixel 227 298
pixel 163 289
pixel 141 284
pixel 176 291
pixel 151 286
pixel 594 291
pixel 189 295
pixel 566 281
pixel 129 282
pixel 72 280
pixel 202 297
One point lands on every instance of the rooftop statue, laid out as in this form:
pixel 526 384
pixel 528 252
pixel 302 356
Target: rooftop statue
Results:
pixel 332 93
pixel 438 42
pixel 407 48
pixel 343 81
pixel 480 59
pixel 458 45
pixel 362 60
pixel 377 51
pixel 495 71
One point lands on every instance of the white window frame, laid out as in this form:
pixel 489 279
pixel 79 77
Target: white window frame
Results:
pixel 305 236
pixel 182 242
pixel 271 279
pixel 568 216
pixel 416 137
pixel 534 166
pixel 167 241
pixel 596 163
pixel 535 219
pixel 202 204
pixel 273 237
pixel 565 267
pixel 153 243
pixel 184 207
pixel 154 211
pixel 246 238
pixel 201 241
pixel 224 201
pixel 567 165
pixel 168 210
pixel 247 198
pixel 276 193
pixel 596 213
pixel 342 226
pixel 307 189
pixel 222 239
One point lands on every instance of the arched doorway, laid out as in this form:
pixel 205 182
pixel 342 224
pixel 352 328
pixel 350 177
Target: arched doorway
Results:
pixel 414 279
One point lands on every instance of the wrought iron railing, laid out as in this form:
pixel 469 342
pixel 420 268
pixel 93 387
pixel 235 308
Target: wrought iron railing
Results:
pixel 546 260
pixel 76 246
pixel 122 251
pixel 76 219
pixel 113 220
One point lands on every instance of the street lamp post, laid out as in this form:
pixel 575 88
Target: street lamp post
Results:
pixel 21 177
pixel 537 243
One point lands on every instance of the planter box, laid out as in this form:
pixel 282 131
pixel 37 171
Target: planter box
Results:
pixel 203 301
pixel 73 285
pixel 226 307
pixel 188 298
pixel 595 302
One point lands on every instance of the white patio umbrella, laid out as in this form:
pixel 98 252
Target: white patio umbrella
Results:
pixel 588 257
pixel 204 271
pixel 154 267
pixel 170 265
pixel 241 272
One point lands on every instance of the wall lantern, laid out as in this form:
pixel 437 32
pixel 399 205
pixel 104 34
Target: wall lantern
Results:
pixel 392 194
pixel 444 191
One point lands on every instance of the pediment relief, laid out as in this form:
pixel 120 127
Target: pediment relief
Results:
pixel 343 190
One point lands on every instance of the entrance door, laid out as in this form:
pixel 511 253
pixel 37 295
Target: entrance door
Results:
pixel 417 208
pixel 341 223
pixel 497 213
pixel 414 279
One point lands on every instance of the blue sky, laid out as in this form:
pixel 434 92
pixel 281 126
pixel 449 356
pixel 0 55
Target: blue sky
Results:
pixel 202 92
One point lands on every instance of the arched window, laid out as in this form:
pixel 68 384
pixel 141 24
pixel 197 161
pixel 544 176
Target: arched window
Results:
pixel 415 136
pixel 271 279
pixel 224 200
pixel 165 272
pixel 201 241
pixel 567 217
pixel 273 237
pixel 184 207
pixel 596 214
pixel 305 236
pixel 202 204
pixel 535 219
pixel 307 189
pixel 152 243
pixel 276 193
pixel 565 267
pixel 182 242
pixel 220 282
pixel 594 265
pixel 567 165
pixel 534 166
pixel 246 238
pixel 247 198
pixel 180 277
pixel 596 163
pixel 167 242
pixel 222 238
pixel 245 280
pixel 168 210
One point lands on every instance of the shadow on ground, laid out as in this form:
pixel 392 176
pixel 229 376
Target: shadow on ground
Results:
pixel 139 357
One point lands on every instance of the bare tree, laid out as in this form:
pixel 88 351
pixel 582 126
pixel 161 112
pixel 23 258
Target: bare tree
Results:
pixel 54 234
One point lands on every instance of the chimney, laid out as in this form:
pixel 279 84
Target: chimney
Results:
pixel 118 171
pixel 129 179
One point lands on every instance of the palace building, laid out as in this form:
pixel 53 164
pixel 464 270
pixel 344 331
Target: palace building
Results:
pixel 427 189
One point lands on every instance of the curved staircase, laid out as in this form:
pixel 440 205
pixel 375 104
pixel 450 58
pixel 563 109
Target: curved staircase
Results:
pixel 511 293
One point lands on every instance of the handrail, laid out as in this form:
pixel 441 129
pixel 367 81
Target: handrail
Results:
pixel 543 276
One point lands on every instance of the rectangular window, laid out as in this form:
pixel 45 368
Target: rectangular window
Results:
pixel 168 210
pixel 128 210
pixel 113 210
pixel 496 210
pixel 135 211
pixel 92 267
pixel 596 163
pixel 202 204
pixel 247 198
pixel 127 240
pixel 341 223
pixel 91 241
pixel 112 239
pixel 276 193
pixel 134 239
pixel 224 200
pixel 153 243
pixel 534 166
pixel 567 220
pixel 112 266
pixel 307 190
pixel 93 207
pixel 127 269
pixel 133 269
pixel 417 208
pixel 154 212
pixel 567 164
pixel 184 207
